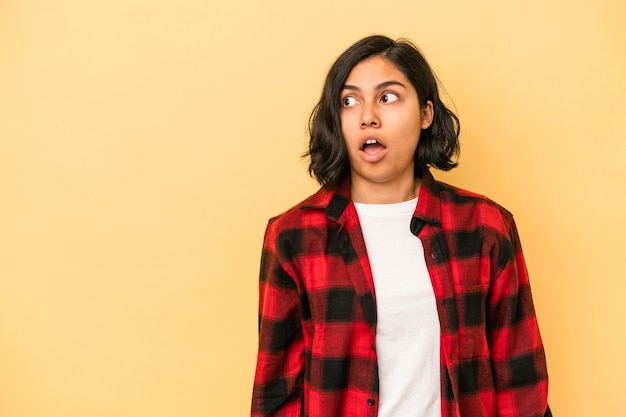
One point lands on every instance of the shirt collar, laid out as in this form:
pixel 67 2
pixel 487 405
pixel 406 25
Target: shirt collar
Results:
pixel 429 200
pixel 334 201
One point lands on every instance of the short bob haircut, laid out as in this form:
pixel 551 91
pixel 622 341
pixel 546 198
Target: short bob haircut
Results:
pixel 438 145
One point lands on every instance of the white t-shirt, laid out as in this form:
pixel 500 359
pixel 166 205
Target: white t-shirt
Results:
pixel 408 331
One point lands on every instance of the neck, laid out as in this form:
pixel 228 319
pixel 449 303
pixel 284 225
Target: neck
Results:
pixel 368 192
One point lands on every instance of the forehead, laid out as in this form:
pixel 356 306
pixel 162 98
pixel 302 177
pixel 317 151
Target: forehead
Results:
pixel 373 71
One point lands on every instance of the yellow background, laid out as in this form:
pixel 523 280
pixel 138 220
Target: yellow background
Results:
pixel 143 146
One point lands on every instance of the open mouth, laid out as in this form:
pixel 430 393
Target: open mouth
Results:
pixel 372 147
pixel 372 150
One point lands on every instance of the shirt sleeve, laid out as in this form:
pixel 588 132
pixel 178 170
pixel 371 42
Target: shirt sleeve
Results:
pixel 517 354
pixel 278 382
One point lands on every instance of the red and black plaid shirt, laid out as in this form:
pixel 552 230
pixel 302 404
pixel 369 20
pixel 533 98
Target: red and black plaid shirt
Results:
pixel 317 315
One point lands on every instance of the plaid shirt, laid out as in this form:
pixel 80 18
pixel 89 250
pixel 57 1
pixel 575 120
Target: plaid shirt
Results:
pixel 317 318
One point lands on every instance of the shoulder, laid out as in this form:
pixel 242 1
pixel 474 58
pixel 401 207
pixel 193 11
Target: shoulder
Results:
pixel 306 213
pixel 301 230
pixel 463 208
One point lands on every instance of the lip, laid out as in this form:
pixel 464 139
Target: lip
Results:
pixel 372 156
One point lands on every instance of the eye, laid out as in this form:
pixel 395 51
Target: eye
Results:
pixel 389 97
pixel 348 101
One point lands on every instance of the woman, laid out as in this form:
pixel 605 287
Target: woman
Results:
pixel 388 293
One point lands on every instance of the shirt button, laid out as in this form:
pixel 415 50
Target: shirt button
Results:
pixel 371 401
pixel 373 346
pixel 432 255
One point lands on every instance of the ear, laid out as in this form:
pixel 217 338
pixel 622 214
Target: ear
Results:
pixel 428 113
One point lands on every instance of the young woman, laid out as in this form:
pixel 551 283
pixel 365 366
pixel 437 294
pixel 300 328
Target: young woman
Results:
pixel 388 293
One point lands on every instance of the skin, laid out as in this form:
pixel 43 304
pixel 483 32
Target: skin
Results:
pixel 380 104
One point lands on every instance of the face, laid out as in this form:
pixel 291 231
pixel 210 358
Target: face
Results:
pixel 381 121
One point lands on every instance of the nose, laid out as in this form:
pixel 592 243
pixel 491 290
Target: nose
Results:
pixel 369 116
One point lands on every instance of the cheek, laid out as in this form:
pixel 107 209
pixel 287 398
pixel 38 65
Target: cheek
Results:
pixel 347 128
pixel 343 122
pixel 410 126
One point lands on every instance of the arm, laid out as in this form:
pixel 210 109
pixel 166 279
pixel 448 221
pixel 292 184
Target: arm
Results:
pixel 278 382
pixel 517 354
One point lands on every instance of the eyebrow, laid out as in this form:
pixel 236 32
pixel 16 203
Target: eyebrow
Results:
pixel 378 87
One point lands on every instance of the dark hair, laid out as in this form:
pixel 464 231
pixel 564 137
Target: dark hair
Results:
pixel 438 144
